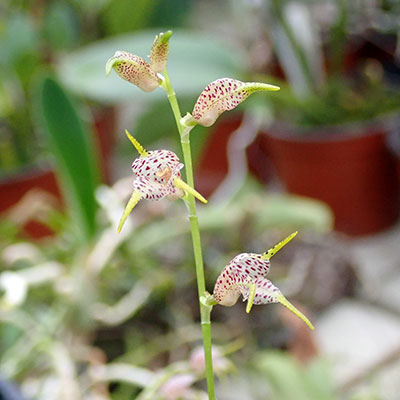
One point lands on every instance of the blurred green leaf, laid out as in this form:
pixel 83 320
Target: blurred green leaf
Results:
pixel 339 102
pixel 290 210
pixel 171 13
pixel 90 6
pixel 290 380
pixel 18 38
pixel 61 27
pixel 73 149
pixel 125 15
pixel 158 123
pixel 194 61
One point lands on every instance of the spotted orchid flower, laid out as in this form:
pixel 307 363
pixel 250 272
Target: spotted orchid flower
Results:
pixel 222 95
pixel 157 176
pixel 159 52
pixel 246 275
pixel 136 70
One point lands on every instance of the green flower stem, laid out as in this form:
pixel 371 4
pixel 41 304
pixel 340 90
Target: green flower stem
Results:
pixel 205 310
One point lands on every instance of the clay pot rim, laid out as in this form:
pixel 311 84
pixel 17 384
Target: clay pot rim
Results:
pixel 332 133
pixel 27 171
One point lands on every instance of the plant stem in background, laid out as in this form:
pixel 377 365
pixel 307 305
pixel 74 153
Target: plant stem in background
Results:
pixel 205 310
pixel 297 49
pixel 339 39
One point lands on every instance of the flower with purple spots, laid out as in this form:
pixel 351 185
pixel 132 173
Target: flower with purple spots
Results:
pixel 136 70
pixel 159 52
pixel 157 176
pixel 223 95
pixel 246 275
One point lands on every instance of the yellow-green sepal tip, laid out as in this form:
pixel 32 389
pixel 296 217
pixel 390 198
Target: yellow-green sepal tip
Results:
pixel 179 183
pixel 272 251
pixel 135 198
pixel 164 36
pixel 141 150
pixel 285 302
pixel 252 294
pixel 268 87
pixel 110 64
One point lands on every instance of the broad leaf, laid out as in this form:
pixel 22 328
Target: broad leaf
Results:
pixel 73 149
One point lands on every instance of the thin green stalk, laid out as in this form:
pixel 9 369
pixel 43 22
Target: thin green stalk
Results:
pixel 298 50
pixel 205 310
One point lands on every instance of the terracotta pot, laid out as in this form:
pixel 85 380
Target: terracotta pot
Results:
pixel 104 120
pixel 212 165
pixel 394 146
pixel 16 185
pixel 259 163
pixel 351 170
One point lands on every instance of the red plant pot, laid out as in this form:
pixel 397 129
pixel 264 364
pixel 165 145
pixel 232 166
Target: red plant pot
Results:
pixel 104 121
pixel 394 146
pixel 352 171
pixel 15 186
pixel 212 166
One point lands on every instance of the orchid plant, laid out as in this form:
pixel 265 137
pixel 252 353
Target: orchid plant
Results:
pixel 158 175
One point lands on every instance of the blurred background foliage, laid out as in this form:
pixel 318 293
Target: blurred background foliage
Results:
pixel 89 314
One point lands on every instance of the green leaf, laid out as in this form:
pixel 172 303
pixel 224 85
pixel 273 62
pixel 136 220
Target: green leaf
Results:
pixel 289 379
pixel 60 26
pixel 73 148
pixel 157 123
pixel 293 211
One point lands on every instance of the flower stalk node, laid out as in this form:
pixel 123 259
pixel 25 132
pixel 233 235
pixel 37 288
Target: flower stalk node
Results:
pixel 205 310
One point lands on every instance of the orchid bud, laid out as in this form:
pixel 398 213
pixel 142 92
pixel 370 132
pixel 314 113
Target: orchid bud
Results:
pixel 133 69
pixel 224 95
pixel 246 275
pixel 157 176
pixel 159 52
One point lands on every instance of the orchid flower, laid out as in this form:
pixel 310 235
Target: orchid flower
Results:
pixel 222 95
pixel 157 176
pixel 136 70
pixel 245 275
